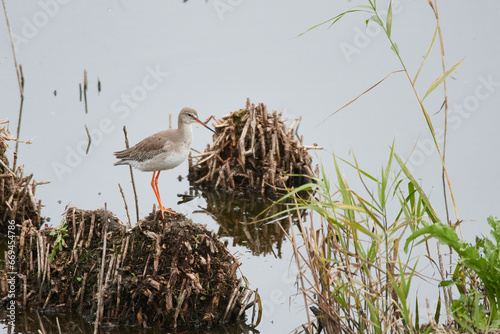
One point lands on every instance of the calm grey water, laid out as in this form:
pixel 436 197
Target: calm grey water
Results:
pixel 153 59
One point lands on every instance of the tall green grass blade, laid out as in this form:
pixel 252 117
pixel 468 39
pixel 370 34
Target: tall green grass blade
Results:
pixel 357 97
pixel 384 179
pixel 417 318
pixel 399 291
pixel 374 317
pixel 358 169
pixel 335 19
pixel 426 55
pixel 439 80
pixel 411 194
pixel 388 23
pixel 344 191
pixel 394 48
pixel 368 8
pixel 375 219
pixel 438 310
pixel 375 19
pixel 427 204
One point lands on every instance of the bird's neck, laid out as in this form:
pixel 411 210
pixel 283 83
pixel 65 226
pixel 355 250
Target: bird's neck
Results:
pixel 186 132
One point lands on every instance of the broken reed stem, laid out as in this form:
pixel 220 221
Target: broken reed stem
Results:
pixel 90 139
pixel 178 309
pixel 129 225
pixel 100 306
pixel 132 176
pixel 58 326
pixel 20 81
pixel 18 132
pixel 448 298
pixel 232 301
pixel 40 323
pixel 85 86
pixel 296 252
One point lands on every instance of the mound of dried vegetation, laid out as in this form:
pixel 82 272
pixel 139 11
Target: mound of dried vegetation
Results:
pixel 164 272
pixel 253 150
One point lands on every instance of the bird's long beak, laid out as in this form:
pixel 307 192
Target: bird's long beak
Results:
pixel 200 122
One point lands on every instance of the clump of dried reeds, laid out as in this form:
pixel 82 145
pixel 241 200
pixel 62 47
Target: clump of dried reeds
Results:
pixel 164 272
pixel 17 190
pixel 253 150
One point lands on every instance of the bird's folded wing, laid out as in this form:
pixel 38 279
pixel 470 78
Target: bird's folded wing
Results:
pixel 145 149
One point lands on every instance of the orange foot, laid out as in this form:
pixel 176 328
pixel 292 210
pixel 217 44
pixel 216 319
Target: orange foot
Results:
pixel 167 210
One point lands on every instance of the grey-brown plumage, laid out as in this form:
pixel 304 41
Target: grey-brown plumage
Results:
pixel 164 150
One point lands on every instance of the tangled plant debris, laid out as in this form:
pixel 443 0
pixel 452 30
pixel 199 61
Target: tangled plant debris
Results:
pixel 253 150
pixel 164 272
pixel 17 190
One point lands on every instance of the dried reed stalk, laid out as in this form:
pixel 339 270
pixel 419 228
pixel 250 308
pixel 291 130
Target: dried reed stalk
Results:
pixel 132 176
pixel 85 87
pixel 100 306
pixel 129 225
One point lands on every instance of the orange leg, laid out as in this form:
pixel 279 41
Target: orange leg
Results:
pixel 154 184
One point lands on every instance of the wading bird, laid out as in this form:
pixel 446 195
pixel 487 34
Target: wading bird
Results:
pixel 164 150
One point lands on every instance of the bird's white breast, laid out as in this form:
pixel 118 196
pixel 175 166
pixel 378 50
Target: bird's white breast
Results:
pixel 171 158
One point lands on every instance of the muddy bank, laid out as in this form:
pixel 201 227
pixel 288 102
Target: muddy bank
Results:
pixel 164 272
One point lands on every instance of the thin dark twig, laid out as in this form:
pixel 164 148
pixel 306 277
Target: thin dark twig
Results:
pixel 20 81
pixel 129 225
pixel 42 329
pixel 18 132
pixel 90 139
pixel 85 90
pixel 18 71
pixel 132 176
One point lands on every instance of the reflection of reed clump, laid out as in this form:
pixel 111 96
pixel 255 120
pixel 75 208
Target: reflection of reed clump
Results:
pixel 162 272
pixel 252 150
pixel 237 213
pixel 17 191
